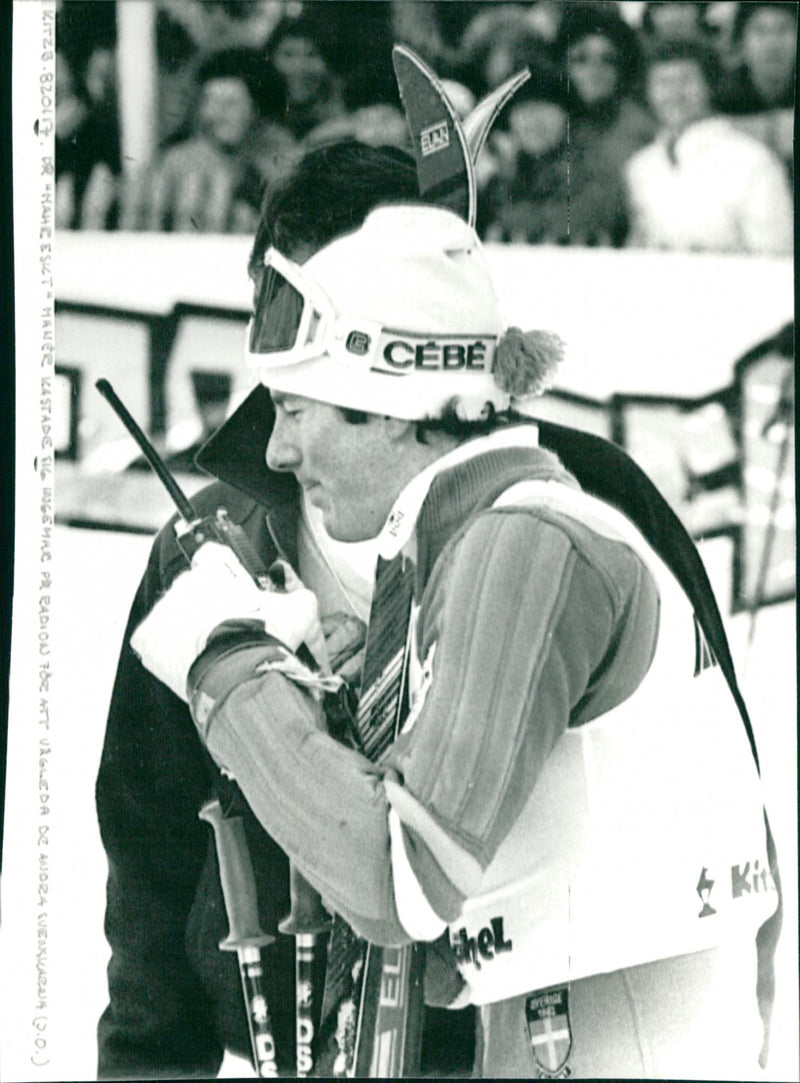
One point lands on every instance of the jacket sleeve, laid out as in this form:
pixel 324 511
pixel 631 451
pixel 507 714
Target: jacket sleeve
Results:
pixel 151 782
pixel 534 624
pixel 534 621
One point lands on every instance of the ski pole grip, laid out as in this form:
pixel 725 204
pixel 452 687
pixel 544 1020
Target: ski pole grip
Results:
pixel 307 916
pixel 238 882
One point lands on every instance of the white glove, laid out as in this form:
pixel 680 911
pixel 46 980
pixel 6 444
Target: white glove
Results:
pixel 217 588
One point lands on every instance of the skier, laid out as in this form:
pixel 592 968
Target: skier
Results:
pixel 548 780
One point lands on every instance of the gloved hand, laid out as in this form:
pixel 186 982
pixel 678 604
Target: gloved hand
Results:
pixel 217 588
pixel 345 638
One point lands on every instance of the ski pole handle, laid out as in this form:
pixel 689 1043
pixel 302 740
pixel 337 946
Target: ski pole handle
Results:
pixel 309 923
pixel 245 935
pixel 238 881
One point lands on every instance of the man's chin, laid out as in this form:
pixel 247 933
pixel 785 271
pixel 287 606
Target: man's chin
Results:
pixel 341 528
pixel 335 530
pixel 332 528
pixel 345 532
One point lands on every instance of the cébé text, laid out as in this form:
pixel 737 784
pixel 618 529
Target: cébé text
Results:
pixel 435 356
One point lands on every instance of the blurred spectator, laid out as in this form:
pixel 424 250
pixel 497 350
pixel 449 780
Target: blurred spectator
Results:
pixel 178 59
pixel 601 56
pixel 187 31
pixel 759 91
pixel 71 112
pixel 212 182
pixel 81 27
pixel 663 20
pixel 601 61
pixel 703 185
pixel 88 162
pixel 101 131
pixel 498 42
pixel 479 43
pixel 537 197
pixel 435 30
pixel 765 37
pixel 545 17
pixel 373 115
pixel 298 52
pixel 213 25
pixel 357 37
pixel 460 97
pixel 527 201
pixel 718 17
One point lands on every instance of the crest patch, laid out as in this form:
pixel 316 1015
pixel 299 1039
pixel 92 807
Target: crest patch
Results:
pixel 549 1031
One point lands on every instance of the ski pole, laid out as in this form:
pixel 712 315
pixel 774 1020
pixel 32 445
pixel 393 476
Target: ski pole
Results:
pixel 245 935
pixel 309 923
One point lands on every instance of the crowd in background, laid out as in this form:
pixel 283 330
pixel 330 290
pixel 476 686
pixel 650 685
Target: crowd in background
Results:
pixel 662 125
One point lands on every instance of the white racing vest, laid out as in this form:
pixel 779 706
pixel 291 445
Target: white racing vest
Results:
pixel 644 835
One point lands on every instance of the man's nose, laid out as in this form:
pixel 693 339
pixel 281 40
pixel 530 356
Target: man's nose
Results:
pixel 282 453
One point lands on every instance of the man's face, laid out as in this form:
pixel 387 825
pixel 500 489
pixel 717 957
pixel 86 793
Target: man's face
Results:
pixel 302 67
pixel 676 20
pixel 678 93
pixel 226 111
pixel 100 76
pixel 350 472
pixel 539 126
pixel 768 43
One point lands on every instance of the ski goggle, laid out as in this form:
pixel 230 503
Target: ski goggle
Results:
pixel 293 316
pixel 296 321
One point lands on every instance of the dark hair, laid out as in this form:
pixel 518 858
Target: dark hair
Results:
pixel 745 12
pixel 263 83
pixel 304 26
pixel 235 9
pixel 363 86
pixel 329 192
pixel 580 22
pixel 508 30
pixel 449 423
pixel 662 52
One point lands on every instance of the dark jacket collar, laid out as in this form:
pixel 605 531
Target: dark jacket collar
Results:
pixel 236 453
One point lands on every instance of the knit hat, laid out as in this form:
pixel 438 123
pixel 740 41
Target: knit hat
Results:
pixel 398 318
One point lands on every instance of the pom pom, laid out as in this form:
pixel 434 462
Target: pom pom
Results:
pixel 525 362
